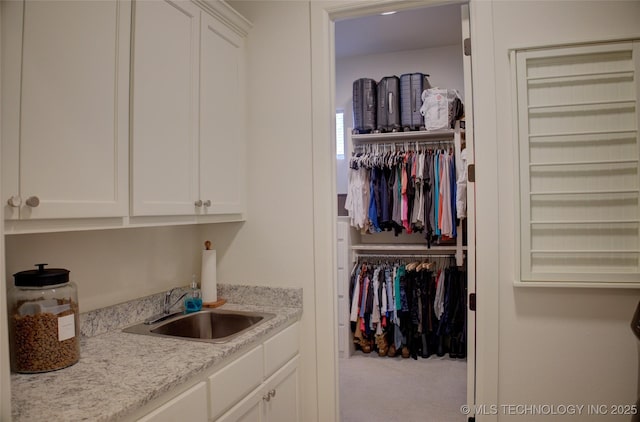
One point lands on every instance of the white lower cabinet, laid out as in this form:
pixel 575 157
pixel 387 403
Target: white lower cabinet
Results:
pixel 276 400
pixel 259 386
pixel 190 405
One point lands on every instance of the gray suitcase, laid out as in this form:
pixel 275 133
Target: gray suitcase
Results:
pixel 388 116
pixel 364 105
pixel 411 87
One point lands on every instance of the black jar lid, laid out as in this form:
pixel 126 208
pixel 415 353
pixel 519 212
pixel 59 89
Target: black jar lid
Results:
pixel 41 276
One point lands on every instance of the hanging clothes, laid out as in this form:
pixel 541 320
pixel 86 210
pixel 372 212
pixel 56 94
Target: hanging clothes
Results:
pixel 411 309
pixel 406 191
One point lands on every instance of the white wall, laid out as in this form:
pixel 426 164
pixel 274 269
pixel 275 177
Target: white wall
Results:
pixel 556 346
pixel 443 64
pixel 111 266
pixel 275 246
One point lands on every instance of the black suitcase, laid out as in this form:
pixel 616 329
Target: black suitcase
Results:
pixel 388 116
pixel 411 87
pixel 364 105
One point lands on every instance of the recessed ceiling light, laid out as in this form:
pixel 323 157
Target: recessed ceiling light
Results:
pixel 389 13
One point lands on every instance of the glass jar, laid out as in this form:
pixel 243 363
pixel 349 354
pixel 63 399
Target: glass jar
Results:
pixel 44 326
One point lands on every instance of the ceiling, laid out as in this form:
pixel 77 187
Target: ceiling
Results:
pixel 406 30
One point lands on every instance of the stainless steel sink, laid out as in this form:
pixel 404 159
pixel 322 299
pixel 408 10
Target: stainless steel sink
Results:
pixel 209 325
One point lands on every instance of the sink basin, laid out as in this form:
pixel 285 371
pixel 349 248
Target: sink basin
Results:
pixel 209 325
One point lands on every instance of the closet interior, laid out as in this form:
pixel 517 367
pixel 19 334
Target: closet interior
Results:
pixel 402 229
pixel 403 272
pixel 406 204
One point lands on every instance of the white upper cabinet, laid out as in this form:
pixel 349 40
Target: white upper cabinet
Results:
pixel 222 137
pixel 65 114
pixel 188 112
pixel 165 107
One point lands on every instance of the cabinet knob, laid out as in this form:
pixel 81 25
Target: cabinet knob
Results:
pixel 207 203
pixel 267 397
pixel 32 201
pixel 272 393
pixel 15 201
pixel 198 203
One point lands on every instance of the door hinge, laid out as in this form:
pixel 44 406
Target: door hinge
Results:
pixel 471 172
pixel 466 46
pixel 472 301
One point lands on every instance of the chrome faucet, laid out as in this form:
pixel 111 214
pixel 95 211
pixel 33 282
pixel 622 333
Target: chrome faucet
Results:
pixel 167 305
pixel 166 308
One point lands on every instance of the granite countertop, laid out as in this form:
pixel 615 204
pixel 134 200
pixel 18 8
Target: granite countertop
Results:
pixel 120 372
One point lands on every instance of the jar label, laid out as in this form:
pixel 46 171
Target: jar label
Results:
pixel 66 327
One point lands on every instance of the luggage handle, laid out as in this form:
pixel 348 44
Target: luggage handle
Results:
pixel 413 99
pixel 390 102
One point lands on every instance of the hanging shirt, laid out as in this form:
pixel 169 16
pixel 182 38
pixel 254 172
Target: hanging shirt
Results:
pixel 357 199
pixel 436 192
pixel 446 225
pixel 355 299
pixel 453 189
pixel 461 186
pixel 363 301
pixel 373 210
pixel 438 303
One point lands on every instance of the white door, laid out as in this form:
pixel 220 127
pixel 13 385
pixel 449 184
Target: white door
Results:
pixel 73 139
pixel 165 107
pixel 222 122
pixel 471 246
pixel 470 224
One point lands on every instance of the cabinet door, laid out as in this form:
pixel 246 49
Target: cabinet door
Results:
pixel 11 27
pixel 73 146
pixel 165 107
pixel 235 381
pixel 190 405
pixel 280 395
pixel 248 410
pixel 222 118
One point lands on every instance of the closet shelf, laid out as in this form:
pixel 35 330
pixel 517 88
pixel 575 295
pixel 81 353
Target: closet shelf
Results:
pixel 422 248
pixel 405 136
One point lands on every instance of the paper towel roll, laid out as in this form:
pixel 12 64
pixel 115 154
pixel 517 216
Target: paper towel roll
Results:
pixel 208 278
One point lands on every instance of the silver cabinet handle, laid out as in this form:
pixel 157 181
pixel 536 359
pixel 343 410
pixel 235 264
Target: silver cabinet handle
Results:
pixel 269 395
pixel 207 203
pixel 15 201
pixel 198 203
pixel 32 201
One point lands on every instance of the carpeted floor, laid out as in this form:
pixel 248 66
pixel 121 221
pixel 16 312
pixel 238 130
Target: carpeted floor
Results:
pixel 375 389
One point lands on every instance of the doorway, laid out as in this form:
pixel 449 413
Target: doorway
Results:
pixel 439 54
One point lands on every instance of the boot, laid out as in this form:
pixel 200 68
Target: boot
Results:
pixel 365 345
pixel 392 351
pixel 405 352
pixel 453 350
pixel 383 346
